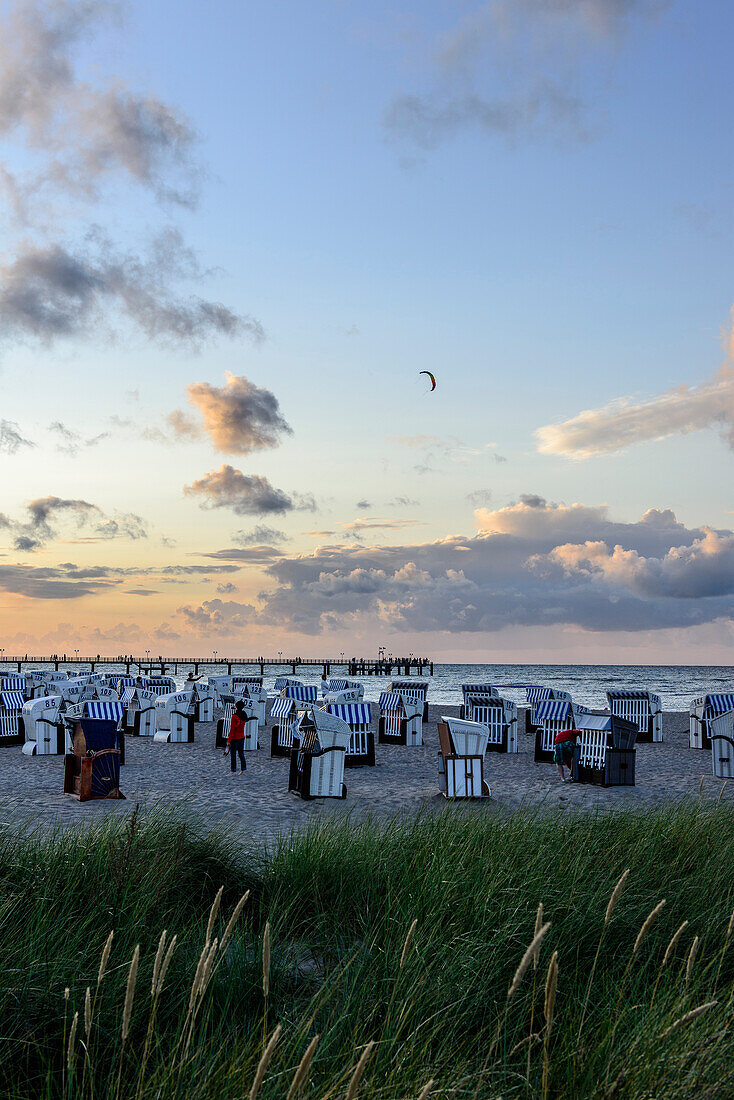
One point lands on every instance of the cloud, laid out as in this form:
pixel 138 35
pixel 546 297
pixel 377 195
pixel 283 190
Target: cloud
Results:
pixel 626 421
pixel 47 514
pixel 79 131
pixel 513 69
pixel 11 440
pixel 51 292
pixel 227 588
pixel 140 592
pixel 259 535
pixel 479 497
pixel 530 564
pixel 244 494
pixel 442 449
pixel 363 505
pixel 65 582
pixel 380 524
pixel 71 442
pixel 217 617
pixel 239 417
pixel 248 555
pixel 402 502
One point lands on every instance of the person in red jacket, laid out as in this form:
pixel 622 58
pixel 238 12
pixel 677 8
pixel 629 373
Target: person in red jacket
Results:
pixel 564 749
pixel 236 739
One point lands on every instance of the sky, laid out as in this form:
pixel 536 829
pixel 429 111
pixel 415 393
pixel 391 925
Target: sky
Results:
pixel 233 235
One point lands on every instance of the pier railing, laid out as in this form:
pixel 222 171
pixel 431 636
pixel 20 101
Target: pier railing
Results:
pixel 355 666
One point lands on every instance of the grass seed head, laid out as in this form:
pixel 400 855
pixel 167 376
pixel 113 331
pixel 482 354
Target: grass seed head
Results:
pixel 87 1013
pixel 234 918
pixel 649 921
pixel 70 1048
pixel 674 943
pixel 132 977
pixel 408 943
pixel 105 958
pixel 531 953
pixel 425 1091
pixel 303 1067
pixel 157 962
pixel 264 1062
pixel 691 959
pixel 615 896
pixel 213 914
pixel 686 1019
pixel 164 967
pixel 551 983
pixel 359 1070
pixel 538 926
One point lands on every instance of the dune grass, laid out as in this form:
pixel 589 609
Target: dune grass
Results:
pixel 371 960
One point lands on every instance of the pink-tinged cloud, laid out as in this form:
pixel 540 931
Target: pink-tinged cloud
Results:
pixel 625 422
pixel 238 417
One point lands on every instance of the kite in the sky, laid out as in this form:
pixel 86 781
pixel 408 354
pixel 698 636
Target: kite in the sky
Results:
pixel 433 380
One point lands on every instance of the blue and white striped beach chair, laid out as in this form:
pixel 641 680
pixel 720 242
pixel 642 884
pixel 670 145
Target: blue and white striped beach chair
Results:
pixel 358 717
pixel 702 712
pixel 552 716
pixel 11 707
pixel 401 720
pixel 722 744
pixel 499 716
pixel 284 713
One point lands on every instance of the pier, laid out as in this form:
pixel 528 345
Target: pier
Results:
pixel 354 666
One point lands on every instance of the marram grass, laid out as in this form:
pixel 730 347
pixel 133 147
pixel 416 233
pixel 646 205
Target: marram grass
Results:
pixel 359 960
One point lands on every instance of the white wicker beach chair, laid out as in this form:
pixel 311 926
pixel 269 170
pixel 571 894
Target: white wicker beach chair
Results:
pixel 722 745
pixel 45 733
pixel 203 702
pixel 401 720
pixel 474 691
pixel 284 713
pixel 416 690
pixel 252 722
pixel 641 707
pixel 140 710
pixel 701 713
pixel 498 715
pixel 174 717
pixel 319 750
pixel 605 750
pixel 462 745
pixel 358 716
pixel 552 716
pixel 11 706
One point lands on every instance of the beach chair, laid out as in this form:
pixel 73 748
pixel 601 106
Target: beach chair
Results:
pixel 358 716
pixel 462 745
pixel 499 716
pixel 320 744
pixel 474 691
pixel 44 731
pixel 641 707
pixel 283 681
pixel 221 685
pixel 252 722
pixel 701 713
pixel 246 681
pixel 92 768
pixel 11 707
pixel 605 750
pixel 346 695
pixel 140 711
pixel 257 695
pixel 15 683
pixel 550 717
pixel 284 712
pixel 417 690
pixel 538 693
pixel 162 685
pixel 302 693
pixel 203 702
pixel 721 737
pixel 174 717
pixel 401 720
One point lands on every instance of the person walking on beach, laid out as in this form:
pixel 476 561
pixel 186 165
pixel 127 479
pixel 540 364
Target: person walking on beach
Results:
pixel 236 739
pixel 564 750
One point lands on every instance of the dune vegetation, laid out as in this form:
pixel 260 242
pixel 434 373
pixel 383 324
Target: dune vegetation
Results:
pixel 457 955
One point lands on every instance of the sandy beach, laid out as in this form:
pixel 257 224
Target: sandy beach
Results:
pixel 196 780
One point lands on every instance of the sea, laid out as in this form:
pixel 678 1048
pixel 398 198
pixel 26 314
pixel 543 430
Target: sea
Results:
pixel 675 684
